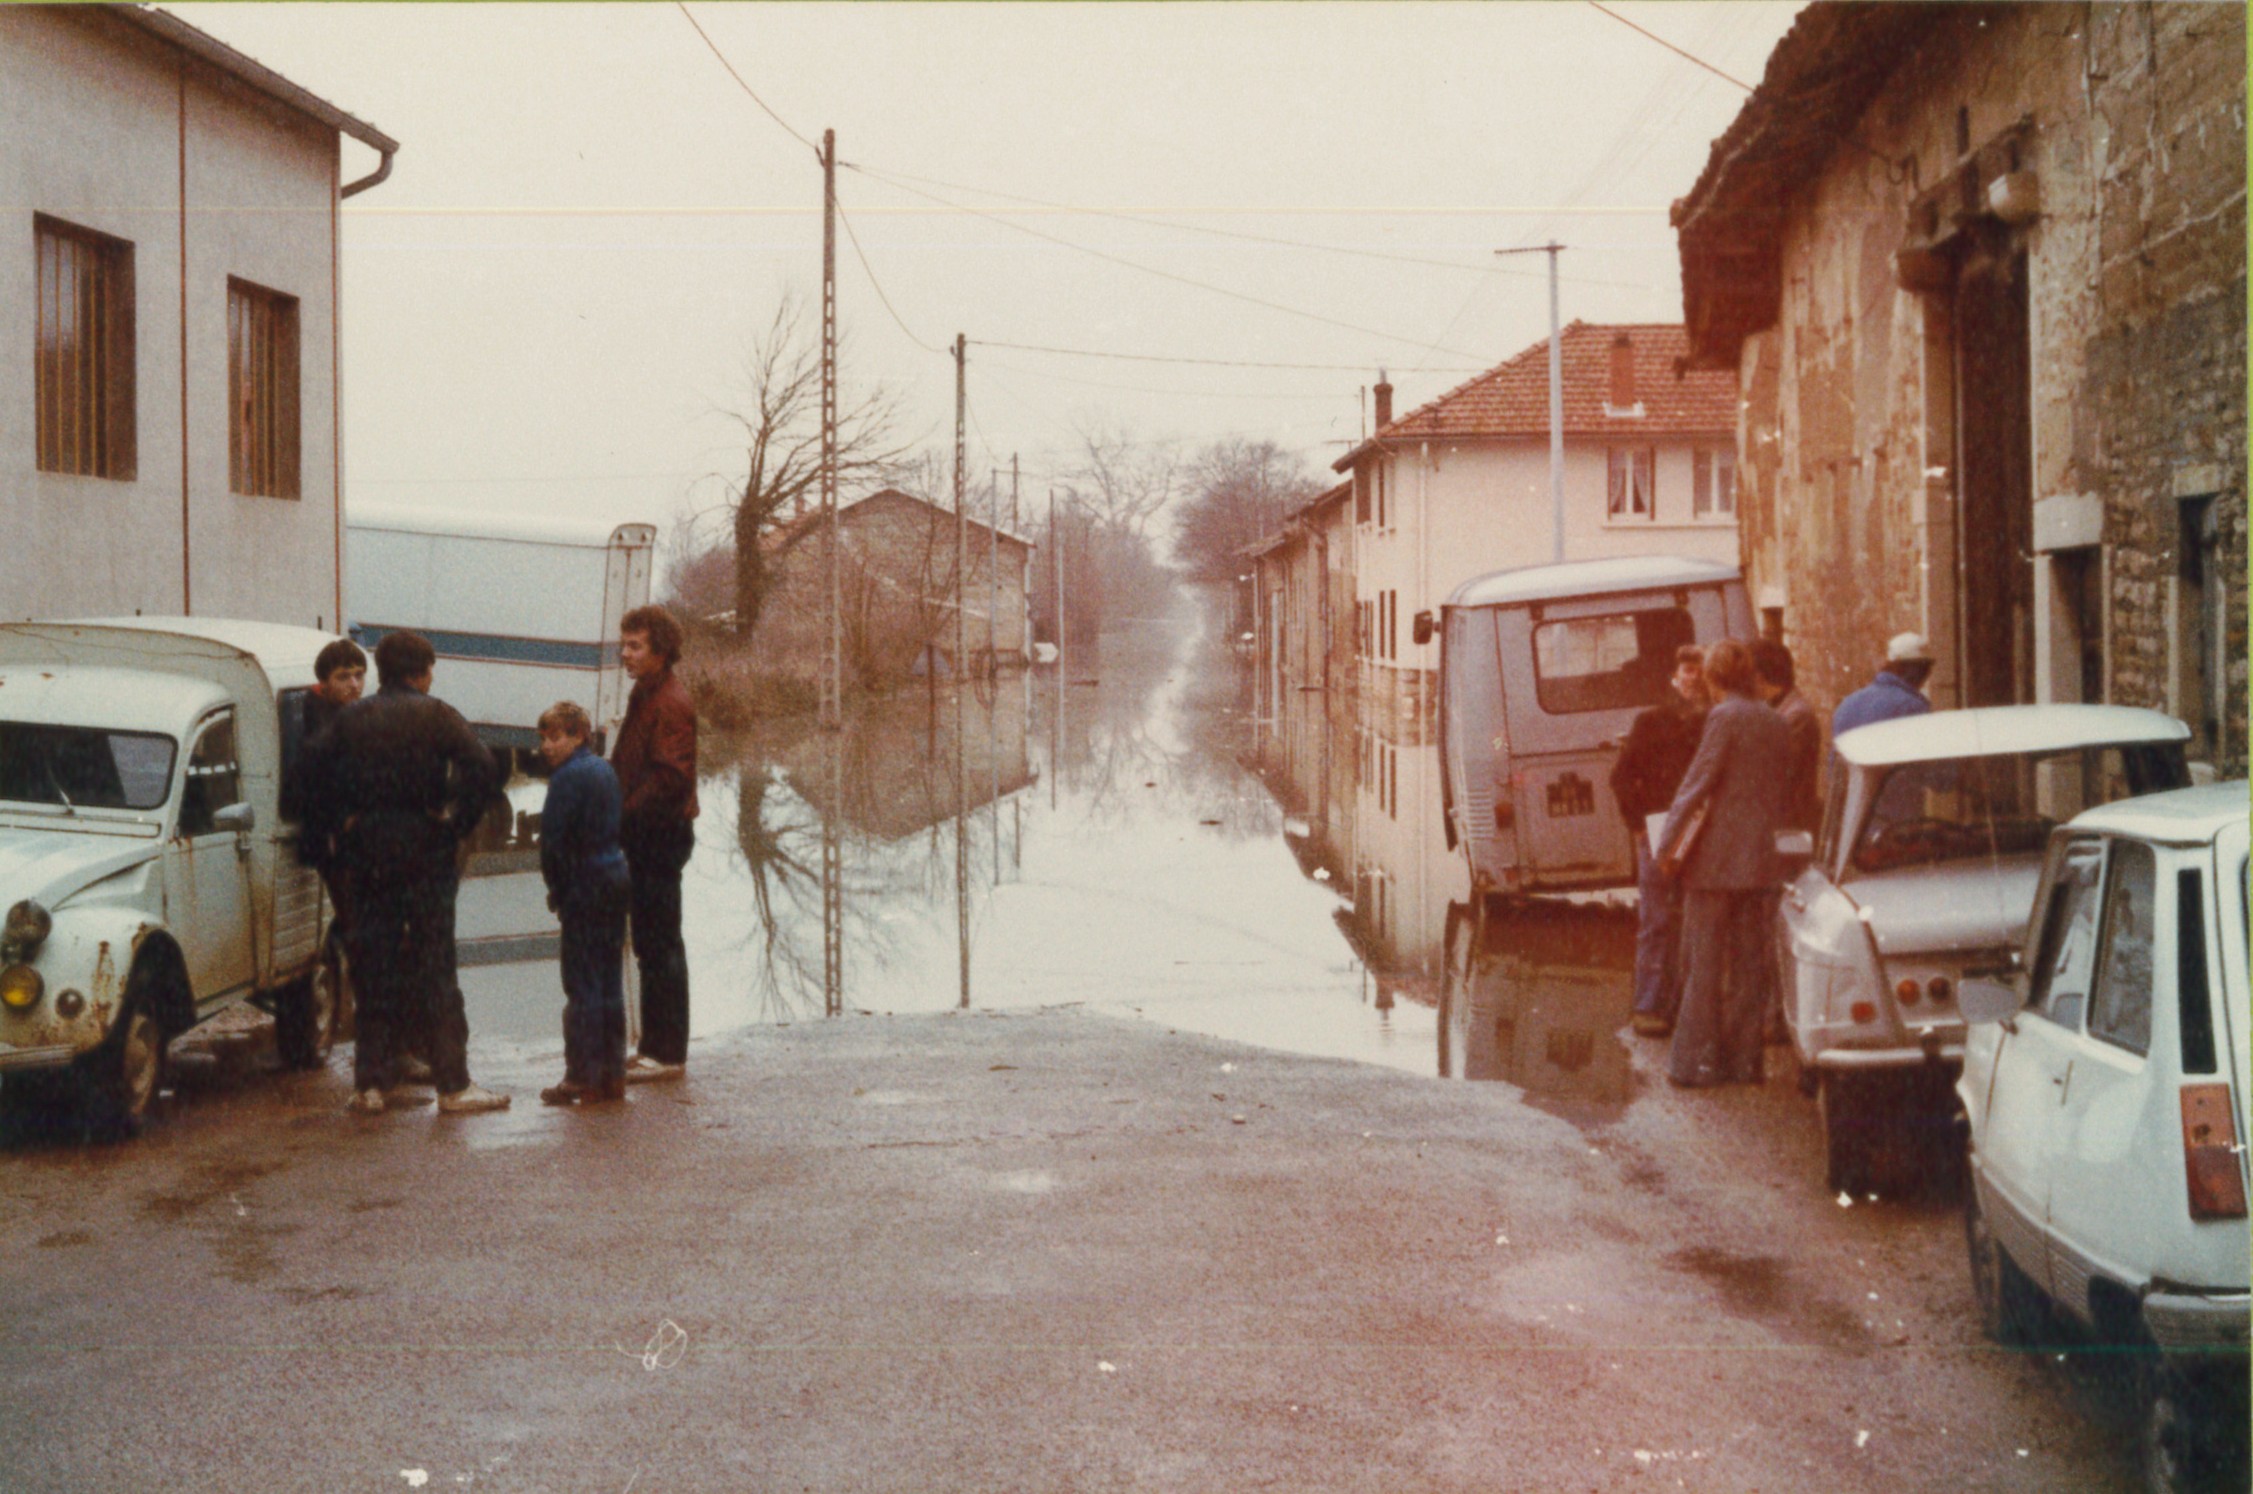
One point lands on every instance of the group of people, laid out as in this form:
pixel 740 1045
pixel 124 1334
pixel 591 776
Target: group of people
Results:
pixel 386 792
pixel 1731 757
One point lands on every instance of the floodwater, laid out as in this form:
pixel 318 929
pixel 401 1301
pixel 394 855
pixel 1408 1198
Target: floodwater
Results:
pixel 1132 836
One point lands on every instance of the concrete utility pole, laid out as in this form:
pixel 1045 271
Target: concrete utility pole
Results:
pixel 1556 402
pixel 833 653
pixel 961 657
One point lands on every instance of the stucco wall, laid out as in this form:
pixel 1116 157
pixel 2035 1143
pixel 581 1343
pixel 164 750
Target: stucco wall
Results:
pixel 91 132
pixel 2134 127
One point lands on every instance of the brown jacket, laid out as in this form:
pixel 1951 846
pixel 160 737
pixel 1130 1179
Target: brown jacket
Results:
pixel 655 758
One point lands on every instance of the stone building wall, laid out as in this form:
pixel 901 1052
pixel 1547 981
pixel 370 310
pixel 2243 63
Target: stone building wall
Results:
pixel 2132 122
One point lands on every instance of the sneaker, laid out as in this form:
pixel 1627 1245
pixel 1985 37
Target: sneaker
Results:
pixel 569 1092
pixel 469 1100
pixel 642 1069
pixel 368 1101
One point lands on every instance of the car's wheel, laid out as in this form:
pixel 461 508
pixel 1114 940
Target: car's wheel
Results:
pixel 126 1072
pixel 2008 1309
pixel 1845 1111
pixel 305 1019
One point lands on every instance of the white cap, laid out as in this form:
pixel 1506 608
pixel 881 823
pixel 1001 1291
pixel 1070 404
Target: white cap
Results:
pixel 1908 648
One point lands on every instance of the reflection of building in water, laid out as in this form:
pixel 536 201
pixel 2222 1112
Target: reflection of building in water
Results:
pixel 900 771
pixel 1536 997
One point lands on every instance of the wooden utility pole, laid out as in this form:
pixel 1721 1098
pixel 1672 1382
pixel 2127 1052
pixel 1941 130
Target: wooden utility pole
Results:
pixel 833 652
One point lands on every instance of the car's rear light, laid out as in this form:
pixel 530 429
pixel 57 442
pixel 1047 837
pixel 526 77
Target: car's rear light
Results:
pixel 2210 1153
pixel 1937 988
pixel 1863 1011
pixel 1909 992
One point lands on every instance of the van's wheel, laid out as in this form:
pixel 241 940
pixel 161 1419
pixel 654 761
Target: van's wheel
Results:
pixel 305 1019
pixel 2008 1310
pixel 1845 1110
pixel 126 1071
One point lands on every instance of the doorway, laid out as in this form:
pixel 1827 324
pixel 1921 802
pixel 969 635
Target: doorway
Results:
pixel 1994 457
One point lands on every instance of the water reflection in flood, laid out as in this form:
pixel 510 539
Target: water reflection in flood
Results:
pixel 1137 838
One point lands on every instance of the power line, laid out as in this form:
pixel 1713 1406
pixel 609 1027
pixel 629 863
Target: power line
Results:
pixel 1329 394
pixel 874 284
pixel 900 179
pixel 1029 347
pixel 748 90
pixel 1218 290
pixel 1677 51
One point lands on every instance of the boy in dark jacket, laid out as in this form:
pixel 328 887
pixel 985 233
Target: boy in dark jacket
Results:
pixel 587 887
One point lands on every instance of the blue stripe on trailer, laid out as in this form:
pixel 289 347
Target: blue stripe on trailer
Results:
pixel 494 648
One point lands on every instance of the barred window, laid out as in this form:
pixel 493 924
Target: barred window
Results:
pixel 82 361
pixel 261 391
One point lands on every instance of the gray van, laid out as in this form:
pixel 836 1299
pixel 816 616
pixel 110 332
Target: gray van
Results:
pixel 1542 670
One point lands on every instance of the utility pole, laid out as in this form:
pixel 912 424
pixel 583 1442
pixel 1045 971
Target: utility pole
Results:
pixel 833 653
pixel 961 657
pixel 1556 402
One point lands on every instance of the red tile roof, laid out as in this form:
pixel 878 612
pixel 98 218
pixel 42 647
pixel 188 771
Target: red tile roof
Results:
pixel 1512 399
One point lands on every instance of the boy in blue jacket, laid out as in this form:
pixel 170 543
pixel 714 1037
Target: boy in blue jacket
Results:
pixel 587 887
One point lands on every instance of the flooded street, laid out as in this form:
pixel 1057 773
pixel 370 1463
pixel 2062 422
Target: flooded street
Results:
pixel 1123 853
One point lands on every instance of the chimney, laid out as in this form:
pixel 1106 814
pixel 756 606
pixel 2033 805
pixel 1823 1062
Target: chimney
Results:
pixel 1384 400
pixel 1623 373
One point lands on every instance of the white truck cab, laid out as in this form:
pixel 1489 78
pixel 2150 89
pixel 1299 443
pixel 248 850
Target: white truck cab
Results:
pixel 149 879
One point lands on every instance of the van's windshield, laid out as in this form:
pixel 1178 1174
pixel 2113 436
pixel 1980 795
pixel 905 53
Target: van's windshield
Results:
pixel 84 767
pixel 1616 661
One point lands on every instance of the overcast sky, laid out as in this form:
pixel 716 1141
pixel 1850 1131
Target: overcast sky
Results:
pixel 589 219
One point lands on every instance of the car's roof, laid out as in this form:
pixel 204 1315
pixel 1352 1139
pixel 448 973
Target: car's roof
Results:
pixel 115 699
pixel 276 646
pixel 2183 816
pixel 1990 731
pixel 1583 578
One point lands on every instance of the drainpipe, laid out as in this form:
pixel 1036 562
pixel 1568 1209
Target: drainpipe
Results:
pixel 388 148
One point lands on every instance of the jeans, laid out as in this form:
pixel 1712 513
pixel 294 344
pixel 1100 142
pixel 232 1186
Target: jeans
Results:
pixel 1658 936
pixel 1718 1038
pixel 655 860
pixel 594 982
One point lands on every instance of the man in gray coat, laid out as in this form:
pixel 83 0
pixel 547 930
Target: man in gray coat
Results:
pixel 1739 777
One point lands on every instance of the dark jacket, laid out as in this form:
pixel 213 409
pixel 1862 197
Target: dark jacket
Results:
pixel 1803 802
pixel 1657 753
pixel 405 780
pixel 655 758
pixel 579 855
pixel 1739 774
pixel 304 802
pixel 1888 697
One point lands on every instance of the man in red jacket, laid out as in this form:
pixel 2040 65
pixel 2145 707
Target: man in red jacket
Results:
pixel 655 759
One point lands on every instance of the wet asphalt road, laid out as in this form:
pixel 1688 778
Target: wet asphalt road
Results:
pixel 1033 1250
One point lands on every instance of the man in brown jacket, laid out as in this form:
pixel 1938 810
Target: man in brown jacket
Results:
pixel 655 759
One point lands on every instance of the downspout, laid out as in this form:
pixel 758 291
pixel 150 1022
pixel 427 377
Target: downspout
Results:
pixel 373 178
pixel 187 595
pixel 336 374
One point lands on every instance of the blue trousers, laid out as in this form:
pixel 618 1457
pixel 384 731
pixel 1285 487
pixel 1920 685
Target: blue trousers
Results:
pixel 594 984
pixel 1658 930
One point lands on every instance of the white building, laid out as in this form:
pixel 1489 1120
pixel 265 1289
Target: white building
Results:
pixel 168 261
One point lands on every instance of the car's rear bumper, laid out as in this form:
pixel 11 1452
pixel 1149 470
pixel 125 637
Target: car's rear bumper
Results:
pixel 2199 1320
pixel 1948 1054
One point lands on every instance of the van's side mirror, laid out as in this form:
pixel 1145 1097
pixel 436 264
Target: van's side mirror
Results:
pixel 238 817
pixel 1795 849
pixel 1987 1001
pixel 1420 627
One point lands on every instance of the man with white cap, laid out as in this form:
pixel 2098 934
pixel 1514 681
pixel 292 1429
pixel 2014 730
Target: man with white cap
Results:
pixel 1898 689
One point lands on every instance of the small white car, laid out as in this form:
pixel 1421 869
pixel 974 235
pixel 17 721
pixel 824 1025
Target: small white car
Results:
pixel 1930 849
pixel 2104 1089
pixel 148 877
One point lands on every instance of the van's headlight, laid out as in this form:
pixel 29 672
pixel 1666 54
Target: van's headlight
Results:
pixel 26 929
pixel 20 988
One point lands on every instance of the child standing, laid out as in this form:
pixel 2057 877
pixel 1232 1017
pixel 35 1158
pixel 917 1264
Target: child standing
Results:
pixel 587 887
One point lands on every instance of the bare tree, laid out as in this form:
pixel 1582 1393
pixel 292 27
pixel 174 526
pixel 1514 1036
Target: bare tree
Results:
pixel 781 425
pixel 1239 493
pixel 1123 482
